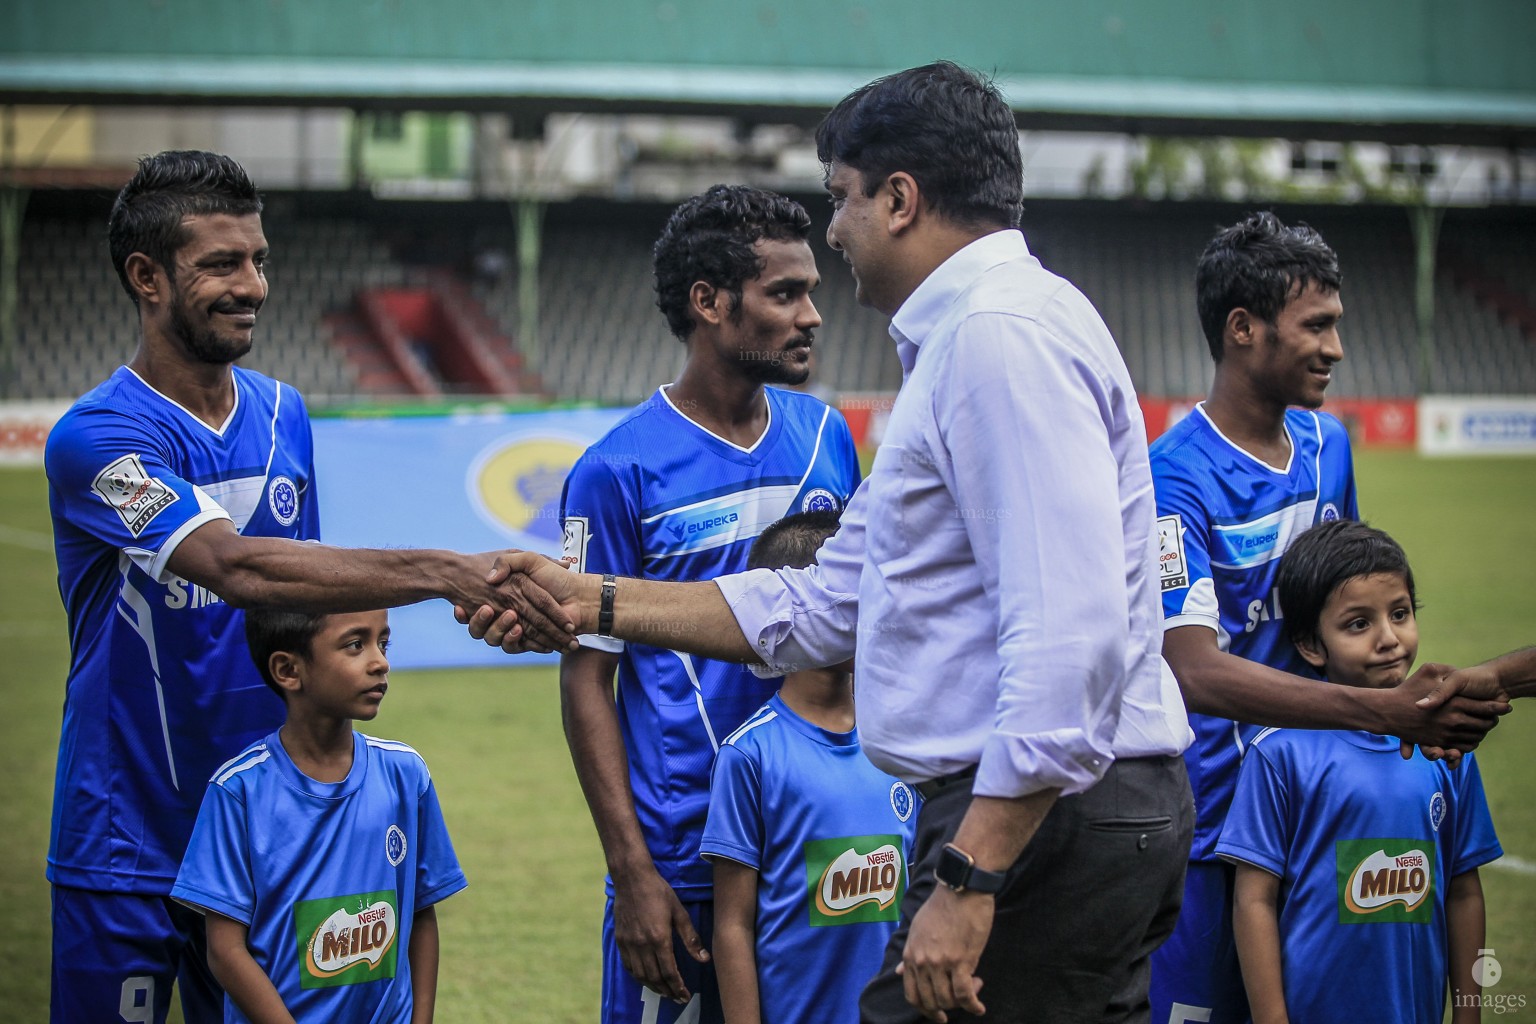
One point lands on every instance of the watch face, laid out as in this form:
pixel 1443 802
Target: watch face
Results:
pixel 958 870
pixel 953 869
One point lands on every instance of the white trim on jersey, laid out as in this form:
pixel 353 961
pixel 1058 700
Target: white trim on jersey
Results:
pixel 698 698
pixel 154 563
pixel 239 497
pixel 219 430
pixel 1245 453
pixel 144 626
pixel 1200 608
pixel 396 745
pixel 757 508
pixel 1317 461
pixel 662 391
pixel 249 758
pixel 277 408
pixel 815 450
pixel 1268 730
pixel 762 716
pixel 1288 522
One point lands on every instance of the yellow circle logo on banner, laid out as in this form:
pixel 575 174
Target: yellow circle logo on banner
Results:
pixel 516 483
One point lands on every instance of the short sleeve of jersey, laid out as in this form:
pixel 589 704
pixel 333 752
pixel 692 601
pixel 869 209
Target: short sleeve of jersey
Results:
pixel 734 829
pixel 216 871
pixel 438 874
pixel 1475 842
pixel 1258 829
pixel 600 520
pixel 1183 549
pixel 112 481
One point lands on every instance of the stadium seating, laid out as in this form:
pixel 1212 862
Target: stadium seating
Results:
pixel 603 339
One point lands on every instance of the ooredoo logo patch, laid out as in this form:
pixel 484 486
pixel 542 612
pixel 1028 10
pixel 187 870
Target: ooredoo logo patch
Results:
pixel 134 495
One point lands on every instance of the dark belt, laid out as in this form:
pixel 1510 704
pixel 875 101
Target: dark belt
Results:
pixel 930 789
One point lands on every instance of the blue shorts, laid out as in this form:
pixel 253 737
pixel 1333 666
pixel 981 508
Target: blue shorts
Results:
pixel 626 1001
pixel 116 956
pixel 1195 974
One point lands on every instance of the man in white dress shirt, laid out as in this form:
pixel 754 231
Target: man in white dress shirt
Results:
pixel 996 576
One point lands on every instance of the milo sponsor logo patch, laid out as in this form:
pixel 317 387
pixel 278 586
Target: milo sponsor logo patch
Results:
pixel 857 879
pixel 347 939
pixel 1388 880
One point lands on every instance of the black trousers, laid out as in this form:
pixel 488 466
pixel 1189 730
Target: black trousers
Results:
pixel 1093 894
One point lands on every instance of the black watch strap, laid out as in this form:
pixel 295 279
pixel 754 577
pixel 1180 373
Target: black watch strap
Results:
pixel 605 606
pixel 957 869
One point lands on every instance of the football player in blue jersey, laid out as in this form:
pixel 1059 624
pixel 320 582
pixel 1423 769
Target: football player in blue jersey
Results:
pixel 1251 467
pixel 678 490
pixel 181 490
pixel 1331 829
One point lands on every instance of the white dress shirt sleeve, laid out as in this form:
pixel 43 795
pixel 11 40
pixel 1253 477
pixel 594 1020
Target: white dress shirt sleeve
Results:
pixel 1024 416
pixel 804 618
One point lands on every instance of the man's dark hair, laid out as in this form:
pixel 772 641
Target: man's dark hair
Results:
pixel 945 125
pixel 1326 557
pixel 167 188
pixel 792 541
pixel 270 630
pixel 711 237
pixel 1259 264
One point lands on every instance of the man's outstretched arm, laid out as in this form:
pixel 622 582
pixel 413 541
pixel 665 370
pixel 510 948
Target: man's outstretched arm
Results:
pixel 1512 674
pixel 270 571
pixel 689 617
pixel 1217 683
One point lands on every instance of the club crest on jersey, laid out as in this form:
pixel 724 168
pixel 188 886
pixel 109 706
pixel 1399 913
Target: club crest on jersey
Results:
pixel 394 845
pixel 856 879
pixel 1389 880
pixel 1436 810
pixel 820 499
pixel 283 499
pixel 1172 569
pixel 345 940
pixel 901 800
pixel 1330 513
pixel 134 495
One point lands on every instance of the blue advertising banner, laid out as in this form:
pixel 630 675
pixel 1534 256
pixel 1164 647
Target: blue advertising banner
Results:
pixel 474 482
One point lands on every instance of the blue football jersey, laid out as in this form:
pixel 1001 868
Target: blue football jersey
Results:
pixel 829 835
pixel 1364 844
pixel 660 497
pixel 161 688
pixel 327 876
pixel 1224 520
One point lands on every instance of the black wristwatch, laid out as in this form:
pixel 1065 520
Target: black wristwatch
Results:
pixel 957 869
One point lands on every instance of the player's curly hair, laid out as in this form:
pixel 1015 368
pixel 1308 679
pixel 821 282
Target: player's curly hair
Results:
pixel 711 237
pixel 167 188
pixel 948 127
pixel 1259 264
pixel 1323 559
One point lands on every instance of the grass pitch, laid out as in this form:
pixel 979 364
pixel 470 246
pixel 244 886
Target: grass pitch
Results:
pixel 521 944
